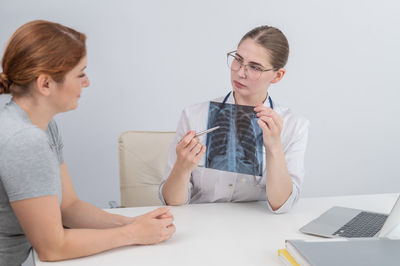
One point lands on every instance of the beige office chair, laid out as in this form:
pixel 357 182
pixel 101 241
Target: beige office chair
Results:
pixel 142 160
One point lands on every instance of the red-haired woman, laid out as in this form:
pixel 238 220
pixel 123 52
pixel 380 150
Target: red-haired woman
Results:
pixel 43 69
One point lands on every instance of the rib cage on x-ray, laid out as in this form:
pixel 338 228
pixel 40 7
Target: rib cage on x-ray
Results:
pixel 237 145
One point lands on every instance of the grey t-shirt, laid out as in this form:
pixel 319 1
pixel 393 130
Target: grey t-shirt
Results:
pixel 30 161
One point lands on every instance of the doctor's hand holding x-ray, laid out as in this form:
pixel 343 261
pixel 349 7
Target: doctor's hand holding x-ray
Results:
pixel 278 185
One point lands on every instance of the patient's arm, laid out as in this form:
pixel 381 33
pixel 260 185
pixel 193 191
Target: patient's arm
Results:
pixel 80 214
pixel 40 218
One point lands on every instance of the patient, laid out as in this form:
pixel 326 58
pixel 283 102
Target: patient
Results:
pixel 43 69
pixel 258 151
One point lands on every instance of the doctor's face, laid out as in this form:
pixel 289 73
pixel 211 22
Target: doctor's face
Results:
pixel 252 54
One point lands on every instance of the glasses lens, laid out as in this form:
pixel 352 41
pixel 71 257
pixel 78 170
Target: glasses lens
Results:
pixel 253 73
pixel 233 63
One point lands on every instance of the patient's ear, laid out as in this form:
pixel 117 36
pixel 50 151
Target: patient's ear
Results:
pixel 279 75
pixel 44 84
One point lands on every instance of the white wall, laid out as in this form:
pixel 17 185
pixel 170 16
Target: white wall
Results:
pixel 149 59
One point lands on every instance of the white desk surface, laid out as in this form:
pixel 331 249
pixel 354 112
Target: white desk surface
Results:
pixel 227 233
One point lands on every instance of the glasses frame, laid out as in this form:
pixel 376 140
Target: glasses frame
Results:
pixel 233 54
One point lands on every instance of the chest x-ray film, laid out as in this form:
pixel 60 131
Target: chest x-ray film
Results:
pixel 237 146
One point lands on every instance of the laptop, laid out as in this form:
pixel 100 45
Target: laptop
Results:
pixel 349 223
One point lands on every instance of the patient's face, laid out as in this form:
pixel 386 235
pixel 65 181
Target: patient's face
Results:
pixel 67 94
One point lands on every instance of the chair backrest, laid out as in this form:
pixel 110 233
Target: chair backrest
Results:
pixel 142 160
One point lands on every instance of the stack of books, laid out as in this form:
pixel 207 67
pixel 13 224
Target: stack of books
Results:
pixel 341 251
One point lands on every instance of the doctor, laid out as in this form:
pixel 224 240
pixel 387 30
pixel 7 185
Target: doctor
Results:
pixel 257 63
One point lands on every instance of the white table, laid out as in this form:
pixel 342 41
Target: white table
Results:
pixel 227 233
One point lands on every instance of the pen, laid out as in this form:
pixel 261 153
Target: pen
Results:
pixel 205 131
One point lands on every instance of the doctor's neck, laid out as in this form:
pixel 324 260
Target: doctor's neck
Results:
pixel 251 100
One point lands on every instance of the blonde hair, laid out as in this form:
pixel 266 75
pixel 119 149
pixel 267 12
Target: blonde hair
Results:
pixel 274 41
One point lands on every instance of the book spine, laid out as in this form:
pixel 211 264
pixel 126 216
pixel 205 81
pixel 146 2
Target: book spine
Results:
pixel 287 258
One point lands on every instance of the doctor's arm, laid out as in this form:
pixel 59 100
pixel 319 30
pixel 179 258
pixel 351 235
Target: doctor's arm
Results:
pixel 188 152
pixel 279 184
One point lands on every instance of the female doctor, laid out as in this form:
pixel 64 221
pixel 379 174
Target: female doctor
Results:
pixel 257 63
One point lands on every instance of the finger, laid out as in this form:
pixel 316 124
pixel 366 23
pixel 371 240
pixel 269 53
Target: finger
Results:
pixel 166 215
pixel 277 118
pixel 169 231
pixel 201 153
pixel 196 149
pixel 265 110
pixel 167 222
pixel 280 121
pixel 171 228
pixel 158 212
pixel 259 104
pixel 260 107
pixel 263 126
pixel 180 139
pixel 269 121
pixel 274 115
pixel 193 144
pixel 163 216
pixel 187 138
pixel 187 133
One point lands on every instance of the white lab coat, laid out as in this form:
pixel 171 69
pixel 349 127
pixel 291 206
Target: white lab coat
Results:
pixel 211 185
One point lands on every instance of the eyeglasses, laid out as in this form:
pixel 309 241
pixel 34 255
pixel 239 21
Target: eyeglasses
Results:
pixel 252 71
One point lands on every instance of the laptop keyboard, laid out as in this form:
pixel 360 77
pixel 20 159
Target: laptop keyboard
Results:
pixel 365 224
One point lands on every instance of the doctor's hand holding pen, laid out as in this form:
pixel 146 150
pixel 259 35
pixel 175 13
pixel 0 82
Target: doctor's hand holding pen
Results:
pixel 189 151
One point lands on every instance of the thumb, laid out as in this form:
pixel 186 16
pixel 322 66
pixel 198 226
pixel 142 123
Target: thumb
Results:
pixel 157 212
